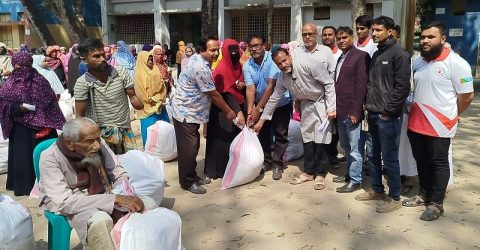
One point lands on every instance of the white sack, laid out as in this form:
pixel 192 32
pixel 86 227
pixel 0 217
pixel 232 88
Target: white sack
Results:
pixel 161 141
pixel 146 174
pixel 155 229
pixel 246 160
pixel 16 228
pixel 295 143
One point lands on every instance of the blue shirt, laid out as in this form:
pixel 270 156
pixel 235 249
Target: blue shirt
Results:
pixel 191 102
pixel 259 75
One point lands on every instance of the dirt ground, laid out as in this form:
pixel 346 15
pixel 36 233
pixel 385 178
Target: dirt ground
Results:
pixel 268 214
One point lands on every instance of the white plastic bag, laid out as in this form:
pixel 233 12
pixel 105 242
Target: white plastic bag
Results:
pixel 161 141
pixel 16 228
pixel 246 160
pixel 146 174
pixel 295 142
pixel 159 228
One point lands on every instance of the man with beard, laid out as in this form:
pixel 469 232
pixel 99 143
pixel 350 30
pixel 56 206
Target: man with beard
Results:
pixel 260 73
pixel 312 85
pixel 77 175
pixel 443 91
pixel 387 89
pixel 102 94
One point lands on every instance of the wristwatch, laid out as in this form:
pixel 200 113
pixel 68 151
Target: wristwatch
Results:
pixel 259 109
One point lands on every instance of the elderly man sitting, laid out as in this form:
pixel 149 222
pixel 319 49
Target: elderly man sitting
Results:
pixel 77 176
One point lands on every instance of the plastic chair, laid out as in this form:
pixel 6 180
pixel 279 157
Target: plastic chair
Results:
pixel 58 228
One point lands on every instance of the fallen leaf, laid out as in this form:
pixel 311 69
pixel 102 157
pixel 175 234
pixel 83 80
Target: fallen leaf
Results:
pixel 281 235
pixel 247 214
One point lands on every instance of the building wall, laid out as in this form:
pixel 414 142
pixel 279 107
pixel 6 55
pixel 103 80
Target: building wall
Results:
pixel 467 45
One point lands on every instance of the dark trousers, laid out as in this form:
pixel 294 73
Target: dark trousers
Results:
pixel 279 125
pixel 331 148
pixel 188 143
pixel 431 154
pixel 315 159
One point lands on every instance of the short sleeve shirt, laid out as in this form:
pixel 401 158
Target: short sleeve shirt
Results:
pixel 437 84
pixel 191 102
pixel 258 75
pixel 107 103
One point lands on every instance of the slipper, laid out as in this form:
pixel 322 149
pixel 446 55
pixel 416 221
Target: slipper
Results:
pixel 433 212
pixel 416 201
pixel 301 179
pixel 319 183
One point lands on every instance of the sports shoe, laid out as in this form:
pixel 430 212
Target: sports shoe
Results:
pixel 389 205
pixel 370 195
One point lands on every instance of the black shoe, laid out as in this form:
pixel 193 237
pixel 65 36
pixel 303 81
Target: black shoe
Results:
pixel 348 188
pixel 339 179
pixel 267 168
pixel 205 181
pixel 197 189
pixel 342 159
pixel 277 173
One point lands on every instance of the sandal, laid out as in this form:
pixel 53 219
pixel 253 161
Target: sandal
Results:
pixel 301 178
pixel 319 183
pixel 433 212
pixel 416 201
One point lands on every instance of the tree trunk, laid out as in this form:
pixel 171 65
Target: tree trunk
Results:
pixel 269 22
pixel 209 18
pixel 39 26
pixel 359 7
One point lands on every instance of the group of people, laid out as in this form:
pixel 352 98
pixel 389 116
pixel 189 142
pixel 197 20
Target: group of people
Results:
pixel 347 90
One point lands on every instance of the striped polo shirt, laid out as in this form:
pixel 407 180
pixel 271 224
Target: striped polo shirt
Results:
pixel 109 105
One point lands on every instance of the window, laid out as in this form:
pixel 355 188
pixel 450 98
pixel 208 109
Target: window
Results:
pixel 369 10
pixel 5 17
pixel 255 21
pixel 321 13
pixel 136 29
pixel 458 7
pixel 6 35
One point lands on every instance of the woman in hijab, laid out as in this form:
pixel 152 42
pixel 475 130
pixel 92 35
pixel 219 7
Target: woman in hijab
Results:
pixel 151 90
pixel 123 57
pixel 228 79
pixel 53 61
pixel 159 61
pixel 186 57
pixel 109 55
pixel 39 65
pixel 29 114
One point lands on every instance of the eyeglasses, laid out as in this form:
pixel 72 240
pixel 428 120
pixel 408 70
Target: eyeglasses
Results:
pixel 309 34
pixel 255 46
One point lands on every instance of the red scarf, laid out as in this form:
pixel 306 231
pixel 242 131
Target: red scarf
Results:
pixel 226 74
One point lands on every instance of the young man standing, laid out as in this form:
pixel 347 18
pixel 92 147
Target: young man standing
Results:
pixel 351 78
pixel 328 39
pixel 443 90
pixel 364 41
pixel 387 90
pixel 102 94
pixel 260 73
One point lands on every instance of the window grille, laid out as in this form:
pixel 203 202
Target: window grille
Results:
pixel 136 29
pixel 6 35
pixel 245 22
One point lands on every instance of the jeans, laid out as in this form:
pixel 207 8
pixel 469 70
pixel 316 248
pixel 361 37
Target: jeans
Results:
pixel 350 140
pixel 431 154
pixel 384 133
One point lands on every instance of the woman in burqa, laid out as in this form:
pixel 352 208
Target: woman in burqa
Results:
pixel 124 58
pixel 29 114
pixel 228 79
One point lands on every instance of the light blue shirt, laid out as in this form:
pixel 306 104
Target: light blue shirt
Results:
pixel 191 102
pixel 258 75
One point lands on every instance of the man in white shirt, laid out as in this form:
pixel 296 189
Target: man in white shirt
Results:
pixel 443 90
pixel 328 39
pixel 364 41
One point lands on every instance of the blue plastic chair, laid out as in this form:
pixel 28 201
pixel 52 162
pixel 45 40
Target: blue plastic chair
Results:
pixel 58 228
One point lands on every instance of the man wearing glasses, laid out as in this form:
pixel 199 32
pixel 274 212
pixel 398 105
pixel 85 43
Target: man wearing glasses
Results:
pixel 324 55
pixel 260 75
